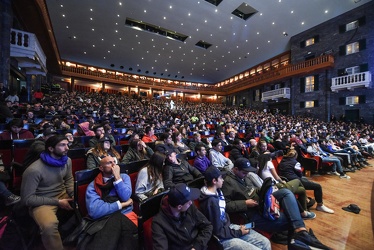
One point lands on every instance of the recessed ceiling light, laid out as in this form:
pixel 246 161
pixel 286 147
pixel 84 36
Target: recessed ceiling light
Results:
pixel 120 3
pixel 120 38
pixel 273 23
pixel 85 52
pixel 108 51
pixel 63 15
pixel 291 11
pixel 114 45
pixel 91 9
pixel 74 37
pixel 164 17
pixel 91 18
pixel 268 41
pixel 326 11
pixel 62 6
pixel 145 11
pixel 104 57
pixel 116 23
pixel 93 45
pixel 220 27
pixel 189 14
pixel 216 10
pixel 170 7
pixel 260 14
pixel 233 34
pixel 258 33
pixel 93 29
pixel 302 23
pixel 257 48
pixel 102 39
pixel 67 27
pixel 118 15
pixel 231 18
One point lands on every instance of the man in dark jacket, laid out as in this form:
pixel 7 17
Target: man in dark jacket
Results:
pixel 212 205
pixel 242 197
pixel 179 224
pixel 178 171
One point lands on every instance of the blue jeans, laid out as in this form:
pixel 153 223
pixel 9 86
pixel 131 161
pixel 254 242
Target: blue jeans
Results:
pixel 337 166
pixel 290 219
pixel 252 240
pixel 4 192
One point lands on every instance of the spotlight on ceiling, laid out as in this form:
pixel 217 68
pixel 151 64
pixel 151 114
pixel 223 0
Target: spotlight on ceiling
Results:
pixel 121 67
pixel 112 65
pixel 139 70
pixel 130 69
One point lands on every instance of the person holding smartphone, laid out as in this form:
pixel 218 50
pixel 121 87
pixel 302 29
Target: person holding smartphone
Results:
pixel 212 205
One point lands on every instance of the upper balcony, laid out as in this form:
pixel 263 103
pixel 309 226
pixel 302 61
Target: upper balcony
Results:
pixel 362 79
pixel 276 94
pixel 25 47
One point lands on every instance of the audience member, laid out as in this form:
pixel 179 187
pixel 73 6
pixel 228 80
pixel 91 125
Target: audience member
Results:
pixel 150 181
pixel 179 224
pixel 217 158
pixel 16 131
pixel 213 206
pixel 201 162
pixel 103 148
pixel 108 199
pixel 48 186
pixel 178 171
pixel 138 150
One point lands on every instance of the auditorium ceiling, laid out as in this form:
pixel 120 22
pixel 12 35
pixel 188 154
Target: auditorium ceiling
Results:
pixel 184 40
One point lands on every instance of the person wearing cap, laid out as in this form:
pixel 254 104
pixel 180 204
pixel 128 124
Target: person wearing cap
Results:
pixel 242 197
pixel 213 206
pixel 290 168
pixel 103 148
pixel 16 131
pixel 178 170
pixel 99 133
pixel 217 158
pixel 201 161
pixel 48 187
pixel 109 195
pixel 179 224
pixel 138 150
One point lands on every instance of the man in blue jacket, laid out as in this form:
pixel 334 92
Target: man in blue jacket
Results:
pixel 108 199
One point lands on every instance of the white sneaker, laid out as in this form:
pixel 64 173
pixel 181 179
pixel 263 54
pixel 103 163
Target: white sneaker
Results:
pixel 345 177
pixel 325 209
pixel 329 172
pixel 335 173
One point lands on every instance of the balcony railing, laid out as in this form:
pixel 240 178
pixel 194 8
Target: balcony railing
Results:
pixel 357 80
pixel 25 47
pixel 276 94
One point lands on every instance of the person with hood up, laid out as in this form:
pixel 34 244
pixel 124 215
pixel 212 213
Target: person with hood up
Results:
pixel 16 131
pixel 84 130
pixel 213 206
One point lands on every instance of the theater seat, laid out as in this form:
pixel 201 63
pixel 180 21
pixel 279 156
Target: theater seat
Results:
pixel 82 179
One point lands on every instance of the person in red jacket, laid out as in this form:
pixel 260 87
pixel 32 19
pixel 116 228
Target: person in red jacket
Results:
pixel 16 131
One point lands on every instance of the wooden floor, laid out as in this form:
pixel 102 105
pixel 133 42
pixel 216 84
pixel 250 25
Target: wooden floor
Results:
pixel 345 230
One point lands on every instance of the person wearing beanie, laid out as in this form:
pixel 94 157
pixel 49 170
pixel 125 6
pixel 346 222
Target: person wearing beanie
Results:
pixel 179 224
pixel 47 189
pixel 213 206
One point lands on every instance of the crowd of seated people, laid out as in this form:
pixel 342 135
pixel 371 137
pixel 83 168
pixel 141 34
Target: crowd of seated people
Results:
pixel 102 118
